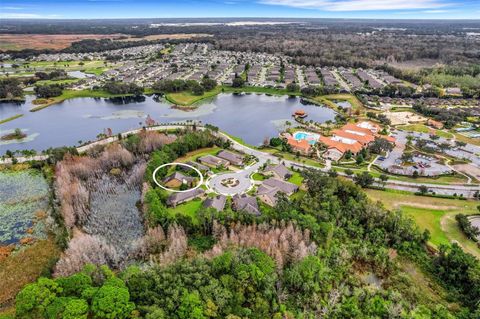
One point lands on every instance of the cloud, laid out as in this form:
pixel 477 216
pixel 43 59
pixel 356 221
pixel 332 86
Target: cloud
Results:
pixel 27 16
pixel 11 8
pixel 435 11
pixel 358 5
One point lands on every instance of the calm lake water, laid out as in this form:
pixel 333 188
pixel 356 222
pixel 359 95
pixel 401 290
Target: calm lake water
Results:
pixel 251 117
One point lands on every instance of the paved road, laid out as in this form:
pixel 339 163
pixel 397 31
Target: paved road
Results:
pixel 243 176
pixel 466 191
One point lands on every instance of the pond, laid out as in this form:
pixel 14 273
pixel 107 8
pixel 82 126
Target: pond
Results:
pixel 252 117
pixel 23 205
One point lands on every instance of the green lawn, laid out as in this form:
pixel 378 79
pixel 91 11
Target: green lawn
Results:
pixel 424 129
pixel 188 209
pixel 50 82
pixel 70 94
pixel 258 177
pixel 328 100
pixel 296 179
pixel 11 118
pixel 435 214
pixel 192 156
pixel 186 98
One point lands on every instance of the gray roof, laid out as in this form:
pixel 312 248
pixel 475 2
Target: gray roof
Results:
pixel 246 203
pixel 280 169
pixel 231 157
pixel 213 160
pixel 283 186
pixel 182 196
pixel 217 202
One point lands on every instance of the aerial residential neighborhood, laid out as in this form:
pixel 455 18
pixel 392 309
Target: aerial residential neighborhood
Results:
pixel 312 159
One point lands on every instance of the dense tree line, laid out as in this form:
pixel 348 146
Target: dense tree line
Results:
pixel 54 75
pixel 48 91
pixel 449 117
pixel 122 88
pixel 10 88
pixel 351 232
pixel 174 86
pixel 466 226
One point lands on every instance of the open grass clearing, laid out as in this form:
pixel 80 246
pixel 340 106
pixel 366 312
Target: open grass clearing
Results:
pixel 15 273
pixel 435 214
pixel 420 128
pixel 46 41
pixel 187 209
pixel 192 156
pixel 71 94
pixel 187 98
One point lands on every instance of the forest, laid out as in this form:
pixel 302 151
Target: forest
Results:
pixel 331 253
pixel 321 42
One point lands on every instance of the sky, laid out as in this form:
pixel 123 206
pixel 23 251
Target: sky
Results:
pixel 381 9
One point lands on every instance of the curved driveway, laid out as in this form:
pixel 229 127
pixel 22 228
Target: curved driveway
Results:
pixel 243 176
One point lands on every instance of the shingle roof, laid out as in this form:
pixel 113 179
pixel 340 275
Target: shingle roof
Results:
pixel 217 202
pixel 280 169
pixel 178 197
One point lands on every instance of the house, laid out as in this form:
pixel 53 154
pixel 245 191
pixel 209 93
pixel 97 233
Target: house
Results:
pixel 217 202
pixel 177 179
pixel 213 161
pixel 200 167
pixel 245 203
pixel 279 171
pixel 183 197
pixel 301 146
pixel 285 187
pixel 233 158
pixel 268 190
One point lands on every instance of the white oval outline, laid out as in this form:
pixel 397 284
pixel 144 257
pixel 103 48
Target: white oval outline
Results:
pixel 174 190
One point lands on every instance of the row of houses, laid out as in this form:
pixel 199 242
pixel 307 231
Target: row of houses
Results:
pixel 267 192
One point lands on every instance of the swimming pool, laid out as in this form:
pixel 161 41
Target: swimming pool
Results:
pixel 311 138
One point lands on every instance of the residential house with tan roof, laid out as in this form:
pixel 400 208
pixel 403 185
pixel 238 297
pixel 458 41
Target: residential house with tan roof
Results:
pixel 245 203
pixel 217 202
pixel 269 189
pixel 213 161
pixel 183 197
pixel 233 158
pixel 279 171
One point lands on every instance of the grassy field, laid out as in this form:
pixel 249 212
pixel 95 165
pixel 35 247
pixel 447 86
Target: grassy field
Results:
pixel 45 41
pixel 192 156
pixel 188 209
pixel 186 98
pixel 50 82
pixel 424 129
pixel 14 271
pixel 11 118
pixel 329 101
pixel 296 179
pixel 435 214
pixel 71 94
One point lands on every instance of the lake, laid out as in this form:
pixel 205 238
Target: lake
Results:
pixel 252 117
